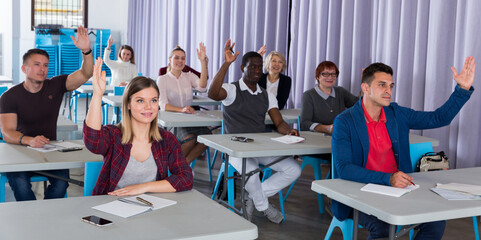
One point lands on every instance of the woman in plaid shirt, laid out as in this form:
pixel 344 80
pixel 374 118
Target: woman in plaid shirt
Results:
pixel 137 153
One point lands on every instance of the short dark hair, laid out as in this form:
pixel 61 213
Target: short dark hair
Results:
pixel 33 51
pixel 368 73
pixel 248 56
pixel 127 47
pixel 325 65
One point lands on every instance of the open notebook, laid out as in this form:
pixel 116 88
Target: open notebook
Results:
pixel 387 190
pixel 126 210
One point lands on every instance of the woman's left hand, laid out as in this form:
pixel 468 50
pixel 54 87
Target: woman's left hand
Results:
pixel 129 190
pixel 201 52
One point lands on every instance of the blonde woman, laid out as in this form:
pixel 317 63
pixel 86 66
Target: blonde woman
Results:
pixel 274 81
pixel 176 96
pixel 124 69
pixel 137 153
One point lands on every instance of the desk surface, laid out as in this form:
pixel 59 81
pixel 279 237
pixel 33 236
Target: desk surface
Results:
pixel 263 146
pixel 418 206
pixel 90 89
pixel 65 124
pixel 193 217
pixel 116 101
pixel 212 118
pixel 14 158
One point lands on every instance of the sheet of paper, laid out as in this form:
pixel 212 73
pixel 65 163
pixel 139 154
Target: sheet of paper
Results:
pixel 454 195
pixel 460 187
pixel 288 139
pixel 387 190
pixel 126 210
pixel 54 146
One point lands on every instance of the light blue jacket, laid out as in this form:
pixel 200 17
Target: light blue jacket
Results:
pixel 350 140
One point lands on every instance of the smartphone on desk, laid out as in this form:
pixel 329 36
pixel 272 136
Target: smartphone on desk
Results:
pixel 98 221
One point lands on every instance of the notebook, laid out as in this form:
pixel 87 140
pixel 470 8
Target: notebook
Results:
pixel 288 139
pixel 126 210
pixel 387 190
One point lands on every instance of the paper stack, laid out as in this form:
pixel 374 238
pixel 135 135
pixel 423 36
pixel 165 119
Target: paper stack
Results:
pixel 387 190
pixel 458 191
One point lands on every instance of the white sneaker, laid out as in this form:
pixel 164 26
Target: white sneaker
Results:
pixel 273 214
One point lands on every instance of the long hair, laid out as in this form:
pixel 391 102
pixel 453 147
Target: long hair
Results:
pixel 127 47
pixel 177 48
pixel 137 84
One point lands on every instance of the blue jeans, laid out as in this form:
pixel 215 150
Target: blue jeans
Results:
pixel 22 188
pixel 380 229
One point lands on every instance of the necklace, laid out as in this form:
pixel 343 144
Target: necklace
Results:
pixel 329 105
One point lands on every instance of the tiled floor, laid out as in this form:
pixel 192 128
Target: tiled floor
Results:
pixel 303 220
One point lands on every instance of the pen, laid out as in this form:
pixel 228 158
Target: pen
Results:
pixel 145 201
pixel 133 202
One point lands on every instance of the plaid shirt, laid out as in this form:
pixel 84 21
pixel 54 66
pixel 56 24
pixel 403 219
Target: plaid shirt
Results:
pixel 167 155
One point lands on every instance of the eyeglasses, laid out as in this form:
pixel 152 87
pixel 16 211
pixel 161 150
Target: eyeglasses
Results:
pixel 326 74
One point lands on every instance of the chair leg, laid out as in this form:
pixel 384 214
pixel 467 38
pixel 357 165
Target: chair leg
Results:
pixel 217 183
pixel 345 226
pixel 3 181
pixel 207 155
pixel 475 226
pixel 318 176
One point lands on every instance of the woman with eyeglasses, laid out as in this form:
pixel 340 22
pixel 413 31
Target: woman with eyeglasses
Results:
pixel 321 104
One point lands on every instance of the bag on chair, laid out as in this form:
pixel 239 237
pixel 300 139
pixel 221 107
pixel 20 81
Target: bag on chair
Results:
pixel 433 161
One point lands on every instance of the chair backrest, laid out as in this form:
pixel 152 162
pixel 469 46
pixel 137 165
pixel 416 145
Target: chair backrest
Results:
pixel 65 34
pixel 43 37
pixel 105 36
pixel 119 91
pixel 3 89
pixel 416 150
pixel 92 171
pixel 186 68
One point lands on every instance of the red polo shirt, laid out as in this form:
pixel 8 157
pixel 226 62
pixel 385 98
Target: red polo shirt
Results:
pixel 381 156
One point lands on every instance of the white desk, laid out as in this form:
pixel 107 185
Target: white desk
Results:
pixel 263 146
pixel 419 206
pixel 212 118
pixel 89 89
pixel 65 124
pixel 15 158
pixel 116 101
pixel 193 217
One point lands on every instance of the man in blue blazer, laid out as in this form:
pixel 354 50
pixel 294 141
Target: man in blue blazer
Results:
pixel 370 141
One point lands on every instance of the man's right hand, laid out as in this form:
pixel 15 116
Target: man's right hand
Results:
pixel 400 179
pixel 229 52
pixel 38 141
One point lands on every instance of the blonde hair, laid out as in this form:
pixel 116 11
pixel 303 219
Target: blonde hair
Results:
pixel 267 61
pixel 177 48
pixel 137 84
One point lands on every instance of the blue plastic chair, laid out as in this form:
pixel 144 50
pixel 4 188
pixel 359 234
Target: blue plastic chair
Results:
pixel 416 150
pixel 118 91
pixel 92 171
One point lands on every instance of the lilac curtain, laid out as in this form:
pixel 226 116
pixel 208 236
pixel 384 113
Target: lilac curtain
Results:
pixel 421 40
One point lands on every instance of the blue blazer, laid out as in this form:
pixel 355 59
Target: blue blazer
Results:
pixel 350 140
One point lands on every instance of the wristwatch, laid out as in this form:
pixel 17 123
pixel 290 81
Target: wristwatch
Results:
pixel 88 52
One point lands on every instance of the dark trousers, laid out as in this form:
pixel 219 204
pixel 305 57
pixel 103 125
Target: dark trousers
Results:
pixel 22 188
pixel 380 229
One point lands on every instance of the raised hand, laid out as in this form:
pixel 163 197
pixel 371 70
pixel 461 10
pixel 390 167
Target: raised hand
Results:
pixel 466 77
pixel 99 78
pixel 229 52
pixel 201 52
pixel 110 42
pixel 83 41
pixel 262 50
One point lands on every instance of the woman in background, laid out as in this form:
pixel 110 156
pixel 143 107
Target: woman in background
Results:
pixel 124 69
pixel 274 81
pixel 176 96
pixel 321 104
pixel 137 153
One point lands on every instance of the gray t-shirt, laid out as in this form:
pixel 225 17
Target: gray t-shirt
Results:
pixel 138 172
